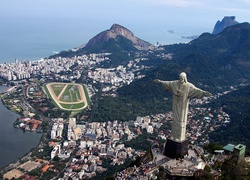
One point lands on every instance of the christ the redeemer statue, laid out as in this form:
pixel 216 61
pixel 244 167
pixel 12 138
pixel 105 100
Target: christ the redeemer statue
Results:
pixel 182 91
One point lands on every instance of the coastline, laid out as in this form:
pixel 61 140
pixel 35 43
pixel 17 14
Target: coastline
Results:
pixel 15 144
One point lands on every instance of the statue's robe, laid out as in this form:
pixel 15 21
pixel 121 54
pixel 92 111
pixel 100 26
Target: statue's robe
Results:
pixel 181 95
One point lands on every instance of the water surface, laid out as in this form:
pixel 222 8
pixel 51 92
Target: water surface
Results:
pixel 14 143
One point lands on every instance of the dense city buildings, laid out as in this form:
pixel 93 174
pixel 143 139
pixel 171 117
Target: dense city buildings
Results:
pixel 60 69
pixel 88 149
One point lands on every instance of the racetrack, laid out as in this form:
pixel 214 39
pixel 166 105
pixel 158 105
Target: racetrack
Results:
pixel 57 99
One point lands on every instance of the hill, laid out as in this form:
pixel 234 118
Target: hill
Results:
pixel 211 63
pixel 216 59
pixel 99 42
pixel 118 40
pixel 237 105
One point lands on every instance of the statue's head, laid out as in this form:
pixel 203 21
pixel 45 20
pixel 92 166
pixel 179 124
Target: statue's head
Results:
pixel 183 78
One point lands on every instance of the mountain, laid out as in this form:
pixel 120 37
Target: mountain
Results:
pixel 216 60
pixel 226 22
pixel 211 63
pixel 114 32
pixel 118 40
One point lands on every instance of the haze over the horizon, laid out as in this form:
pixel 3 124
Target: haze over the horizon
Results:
pixel 31 29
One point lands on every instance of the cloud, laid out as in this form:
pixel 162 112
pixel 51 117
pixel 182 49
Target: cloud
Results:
pixel 176 3
pixel 225 5
pixel 233 10
pixel 245 1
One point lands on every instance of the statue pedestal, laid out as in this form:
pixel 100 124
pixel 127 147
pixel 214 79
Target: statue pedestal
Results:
pixel 176 150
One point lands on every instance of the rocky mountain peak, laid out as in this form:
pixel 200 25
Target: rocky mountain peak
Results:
pixel 226 22
pixel 122 31
pixel 118 30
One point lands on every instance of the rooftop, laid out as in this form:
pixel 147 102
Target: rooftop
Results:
pixel 229 147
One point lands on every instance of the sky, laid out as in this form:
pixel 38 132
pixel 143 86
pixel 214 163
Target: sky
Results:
pixel 66 23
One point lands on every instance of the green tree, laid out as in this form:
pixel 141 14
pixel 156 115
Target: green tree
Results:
pixel 231 169
pixel 212 146
pixel 35 172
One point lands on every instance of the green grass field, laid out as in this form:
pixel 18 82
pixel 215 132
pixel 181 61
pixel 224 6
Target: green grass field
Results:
pixel 57 88
pixel 72 106
pixel 71 94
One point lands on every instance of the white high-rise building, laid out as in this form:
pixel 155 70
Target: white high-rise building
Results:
pixel 72 122
pixel 55 151
pixel 57 128
pixel 139 120
pixel 53 134
pixel 150 129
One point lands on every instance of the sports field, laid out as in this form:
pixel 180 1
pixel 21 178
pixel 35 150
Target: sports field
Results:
pixel 68 96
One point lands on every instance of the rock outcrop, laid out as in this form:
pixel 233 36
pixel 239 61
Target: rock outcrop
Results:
pixel 118 30
pixel 226 22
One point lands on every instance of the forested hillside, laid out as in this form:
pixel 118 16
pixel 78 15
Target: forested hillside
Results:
pixel 237 105
pixel 211 62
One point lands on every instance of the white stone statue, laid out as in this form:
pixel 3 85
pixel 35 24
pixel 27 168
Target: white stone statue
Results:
pixel 182 91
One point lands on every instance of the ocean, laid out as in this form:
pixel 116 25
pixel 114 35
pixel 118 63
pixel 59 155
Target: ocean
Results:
pixel 33 39
pixel 14 143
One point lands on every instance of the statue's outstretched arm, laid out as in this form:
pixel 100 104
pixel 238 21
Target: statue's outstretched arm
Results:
pixel 206 93
pixel 157 81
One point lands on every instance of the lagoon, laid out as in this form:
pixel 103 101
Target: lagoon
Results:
pixel 14 143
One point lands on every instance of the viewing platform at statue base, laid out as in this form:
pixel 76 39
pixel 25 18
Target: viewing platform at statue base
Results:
pixel 188 167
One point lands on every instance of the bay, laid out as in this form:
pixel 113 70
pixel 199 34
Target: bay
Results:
pixel 32 39
pixel 14 143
